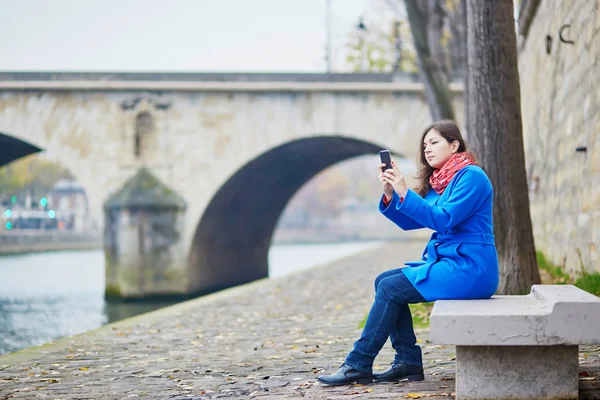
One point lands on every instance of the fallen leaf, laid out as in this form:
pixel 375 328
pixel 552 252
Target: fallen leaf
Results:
pixel 83 369
pixel 338 307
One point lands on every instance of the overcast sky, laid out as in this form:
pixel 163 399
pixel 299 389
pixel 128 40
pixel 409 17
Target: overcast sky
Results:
pixel 179 35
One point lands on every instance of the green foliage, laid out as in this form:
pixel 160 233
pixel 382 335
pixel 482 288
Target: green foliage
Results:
pixel 31 173
pixel 363 322
pixel 112 291
pixel 558 275
pixel 586 281
pixel 374 50
pixel 590 283
pixel 420 315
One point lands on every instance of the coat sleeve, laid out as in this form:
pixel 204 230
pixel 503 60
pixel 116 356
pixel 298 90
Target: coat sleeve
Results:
pixel 392 213
pixel 465 198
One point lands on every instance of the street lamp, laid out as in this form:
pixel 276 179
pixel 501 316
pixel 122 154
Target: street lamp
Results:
pixel 362 29
pixel 361 25
pixel 328 50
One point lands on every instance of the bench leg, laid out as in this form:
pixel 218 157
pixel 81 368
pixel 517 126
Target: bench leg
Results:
pixel 517 372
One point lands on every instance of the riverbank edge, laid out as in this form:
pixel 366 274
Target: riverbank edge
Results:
pixel 29 353
pixel 17 250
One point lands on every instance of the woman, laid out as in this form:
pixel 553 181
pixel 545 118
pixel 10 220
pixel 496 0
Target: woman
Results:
pixel 454 198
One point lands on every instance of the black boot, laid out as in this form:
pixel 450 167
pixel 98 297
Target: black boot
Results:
pixel 397 372
pixel 346 375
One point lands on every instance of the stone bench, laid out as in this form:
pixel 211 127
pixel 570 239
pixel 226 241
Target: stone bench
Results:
pixel 518 347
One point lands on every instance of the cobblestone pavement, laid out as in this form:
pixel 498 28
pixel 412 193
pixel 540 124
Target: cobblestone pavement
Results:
pixel 268 339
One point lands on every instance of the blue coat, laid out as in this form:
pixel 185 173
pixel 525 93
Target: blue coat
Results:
pixel 460 260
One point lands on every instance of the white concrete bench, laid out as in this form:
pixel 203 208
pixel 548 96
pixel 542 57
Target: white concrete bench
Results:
pixel 518 347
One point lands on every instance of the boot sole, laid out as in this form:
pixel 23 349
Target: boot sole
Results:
pixel 412 378
pixel 362 381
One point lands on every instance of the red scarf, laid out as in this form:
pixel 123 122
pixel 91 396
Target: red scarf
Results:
pixel 440 178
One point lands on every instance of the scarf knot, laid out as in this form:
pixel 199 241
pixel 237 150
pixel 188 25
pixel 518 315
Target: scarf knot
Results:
pixel 441 177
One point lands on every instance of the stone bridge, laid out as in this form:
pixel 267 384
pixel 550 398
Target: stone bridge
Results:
pixel 235 147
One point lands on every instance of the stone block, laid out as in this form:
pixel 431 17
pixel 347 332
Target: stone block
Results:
pixel 517 372
pixel 549 315
pixel 518 347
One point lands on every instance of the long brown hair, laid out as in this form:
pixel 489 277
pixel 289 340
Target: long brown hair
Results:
pixel 449 131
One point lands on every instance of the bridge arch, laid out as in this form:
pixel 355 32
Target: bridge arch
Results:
pixel 231 242
pixel 13 148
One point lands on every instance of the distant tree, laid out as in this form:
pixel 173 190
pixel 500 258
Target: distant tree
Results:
pixel 320 200
pixel 31 173
pixel 373 47
pixel 332 188
pixel 496 134
pixel 437 48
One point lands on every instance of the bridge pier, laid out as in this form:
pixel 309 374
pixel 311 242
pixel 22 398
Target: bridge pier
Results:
pixel 143 244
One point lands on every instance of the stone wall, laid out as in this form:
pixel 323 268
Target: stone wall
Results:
pixel 561 115
pixel 29 242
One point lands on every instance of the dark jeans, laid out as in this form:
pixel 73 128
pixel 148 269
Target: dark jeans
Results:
pixel 389 317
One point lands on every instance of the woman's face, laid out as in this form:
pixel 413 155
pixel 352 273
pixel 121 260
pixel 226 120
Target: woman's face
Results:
pixel 437 149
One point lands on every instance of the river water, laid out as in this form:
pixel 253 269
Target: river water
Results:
pixel 46 296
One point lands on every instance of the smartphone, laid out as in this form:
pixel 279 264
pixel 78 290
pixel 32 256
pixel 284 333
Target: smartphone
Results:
pixel 386 159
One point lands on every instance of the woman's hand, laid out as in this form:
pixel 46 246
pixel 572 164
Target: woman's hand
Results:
pixel 394 178
pixel 388 189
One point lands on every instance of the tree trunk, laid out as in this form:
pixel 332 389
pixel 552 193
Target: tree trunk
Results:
pixel 423 25
pixel 495 132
